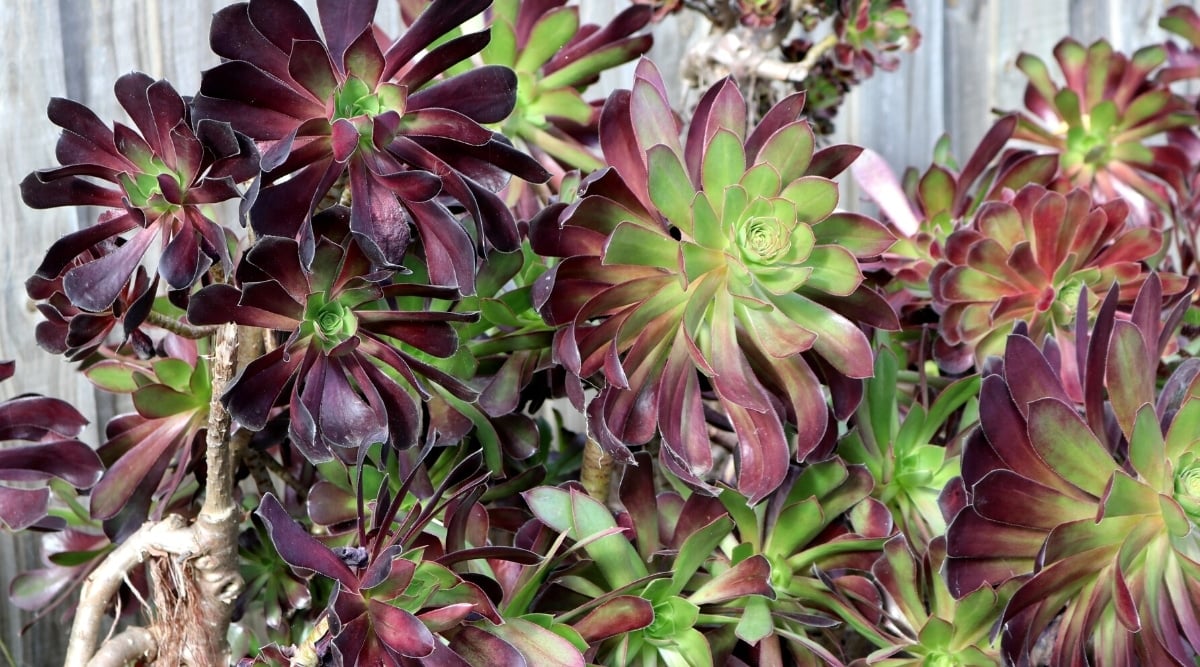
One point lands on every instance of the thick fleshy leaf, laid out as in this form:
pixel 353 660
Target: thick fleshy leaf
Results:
pixel 619 615
pixel 299 549
pixel 399 630
pixel 749 577
pixel 479 647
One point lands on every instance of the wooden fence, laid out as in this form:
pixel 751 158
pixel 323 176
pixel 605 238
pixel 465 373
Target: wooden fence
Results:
pixel 77 48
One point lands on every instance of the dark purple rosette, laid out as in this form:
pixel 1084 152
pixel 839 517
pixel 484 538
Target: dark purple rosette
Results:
pixel 352 364
pixel 154 181
pixel 353 106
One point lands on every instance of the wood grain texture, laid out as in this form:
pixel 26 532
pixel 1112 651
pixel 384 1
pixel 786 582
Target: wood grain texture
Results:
pixel 30 29
pixel 77 48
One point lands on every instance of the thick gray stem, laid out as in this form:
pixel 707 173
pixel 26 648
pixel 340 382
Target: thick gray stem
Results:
pixel 130 646
pixel 167 537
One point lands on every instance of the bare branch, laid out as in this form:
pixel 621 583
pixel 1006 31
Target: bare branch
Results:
pixel 169 536
pixel 216 571
pixel 131 646
pixel 179 328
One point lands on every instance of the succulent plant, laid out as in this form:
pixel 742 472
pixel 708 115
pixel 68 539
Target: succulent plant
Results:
pixel 901 447
pixel 340 338
pixel 1099 123
pixel 1094 513
pixel 150 452
pixel 556 59
pixel 656 591
pixel 51 426
pixel 351 106
pixel 1182 64
pixel 396 585
pixel 77 333
pixel 1030 259
pixel 820 532
pixel 865 34
pixel 869 32
pixel 934 627
pixel 154 186
pixel 925 208
pixel 721 258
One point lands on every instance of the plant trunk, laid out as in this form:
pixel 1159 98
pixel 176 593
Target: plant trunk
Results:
pixel 595 472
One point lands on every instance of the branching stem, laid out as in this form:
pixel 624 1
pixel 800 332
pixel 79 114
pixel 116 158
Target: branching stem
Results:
pixel 179 328
pixel 167 537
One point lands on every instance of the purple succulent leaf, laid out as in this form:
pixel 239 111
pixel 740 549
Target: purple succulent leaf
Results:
pixel 1039 380
pixel 617 616
pixel 438 121
pixel 258 386
pixel 219 304
pixel 399 630
pixel 346 418
pixel 22 508
pixel 749 577
pixel 681 413
pixel 833 160
pixel 299 549
pixel 377 217
pixel 139 469
pixel 1008 439
pixel 344 22
pixel 281 22
pixel 96 285
pixel 482 95
pixel 363 58
pixel 438 18
pixel 260 104
pixel 1006 497
pixel 786 111
pixel 721 106
pixel 51 188
pixel 182 262
pixel 34 418
pixel 762 451
pixel 479 647
pixel 87 138
pixel 449 251
pixel 69 460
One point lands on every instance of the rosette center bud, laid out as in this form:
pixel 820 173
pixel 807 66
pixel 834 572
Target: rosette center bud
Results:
pixel 763 239
pixel 331 321
pixel 355 99
pixel 1187 486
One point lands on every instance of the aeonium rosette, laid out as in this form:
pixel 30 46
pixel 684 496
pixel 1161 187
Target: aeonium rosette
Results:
pixel 154 184
pixel 351 363
pixel 556 58
pixel 357 106
pixel 714 273
pixel 1093 513
pixel 1101 120
pixel 1030 259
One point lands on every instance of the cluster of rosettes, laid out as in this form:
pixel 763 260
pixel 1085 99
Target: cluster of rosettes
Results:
pixel 711 272
pixel 1095 520
pixel 302 114
pixel 1030 259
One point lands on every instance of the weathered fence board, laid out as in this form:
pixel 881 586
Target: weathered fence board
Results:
pixel 77 48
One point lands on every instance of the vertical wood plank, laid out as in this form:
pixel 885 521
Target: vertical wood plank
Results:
pixel 30 32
